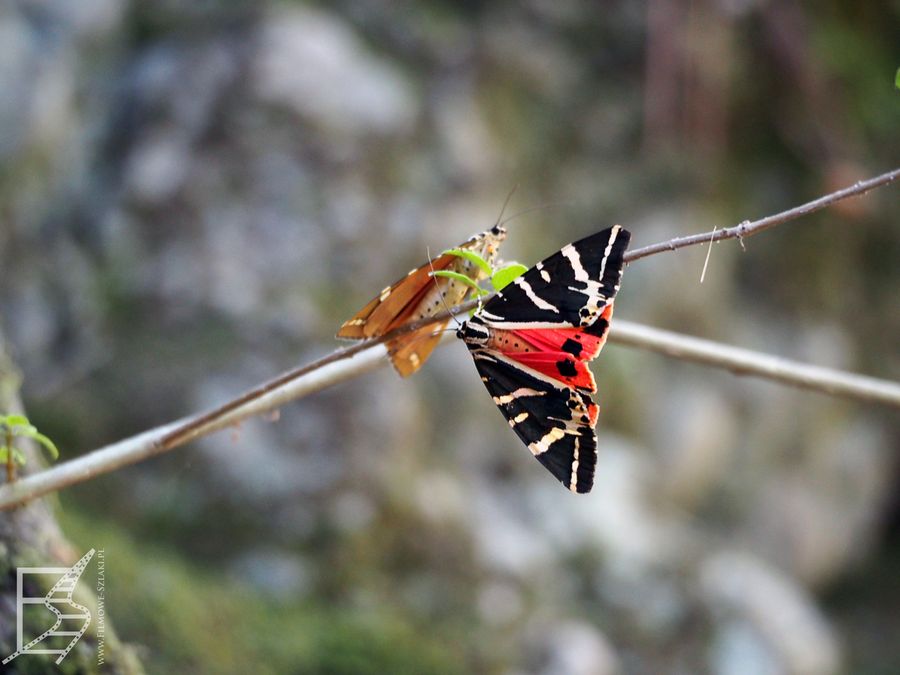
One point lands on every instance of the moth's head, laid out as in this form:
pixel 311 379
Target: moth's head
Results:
pixel 491 241
pixel 474 333
pixel 486 244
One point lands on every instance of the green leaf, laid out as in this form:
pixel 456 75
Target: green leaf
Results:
pixel 471 257
pixel 504 276
pixel 4 453
pixel 49 445
pixel 14 420
pixel 19 425
pixel 455 275
pixel 897 79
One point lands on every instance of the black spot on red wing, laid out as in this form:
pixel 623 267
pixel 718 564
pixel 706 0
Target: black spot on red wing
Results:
pixel 598 328
pixel 566 368
pixel 572 346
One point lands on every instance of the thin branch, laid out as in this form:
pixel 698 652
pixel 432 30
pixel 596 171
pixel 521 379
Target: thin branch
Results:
pixel 194 427
pixel 349 362
pixel 748 229
pixel 747 362
pixel 339 367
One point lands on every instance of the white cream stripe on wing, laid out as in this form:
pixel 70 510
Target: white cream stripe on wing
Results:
pixel 575 261
pixel 512 396
pixel 609 247
pixel 518 419
pixel 592 286
pixel 544 274
pixel 486 316
pixel 572 255
pixel 573 481
pixel 540 303
pixel 548 439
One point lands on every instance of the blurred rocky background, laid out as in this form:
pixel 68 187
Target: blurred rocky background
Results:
pixel 194 195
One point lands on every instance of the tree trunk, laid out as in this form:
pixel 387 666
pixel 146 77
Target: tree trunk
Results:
pixel 30 536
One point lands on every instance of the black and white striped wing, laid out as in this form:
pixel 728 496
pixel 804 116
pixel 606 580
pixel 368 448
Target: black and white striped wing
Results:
pixel 569 288
pixel 556 422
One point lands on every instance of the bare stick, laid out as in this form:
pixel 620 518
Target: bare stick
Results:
pixel 188 429
pixel 747 362
pixel 349 362
pixel 331 370
pixel 748 229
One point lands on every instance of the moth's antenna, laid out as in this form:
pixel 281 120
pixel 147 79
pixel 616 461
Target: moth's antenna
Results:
pixel 440 292
pixel 505 204
pixel 548 205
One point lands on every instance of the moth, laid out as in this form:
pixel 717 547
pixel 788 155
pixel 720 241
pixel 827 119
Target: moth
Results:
pixel 418 295
pixel 531 343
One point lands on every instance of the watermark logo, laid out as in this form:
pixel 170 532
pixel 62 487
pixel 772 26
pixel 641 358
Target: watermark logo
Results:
pixel 69 619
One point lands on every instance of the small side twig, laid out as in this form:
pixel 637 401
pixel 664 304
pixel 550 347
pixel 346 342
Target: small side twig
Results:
pixel 708 254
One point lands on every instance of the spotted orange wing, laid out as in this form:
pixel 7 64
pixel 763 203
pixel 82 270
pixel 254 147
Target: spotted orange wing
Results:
pixel 396 303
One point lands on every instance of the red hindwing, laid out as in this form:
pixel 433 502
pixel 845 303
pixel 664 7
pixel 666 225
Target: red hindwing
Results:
pixel 560 353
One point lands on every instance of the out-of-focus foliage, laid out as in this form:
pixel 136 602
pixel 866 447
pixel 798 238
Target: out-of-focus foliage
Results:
pixel 193 196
